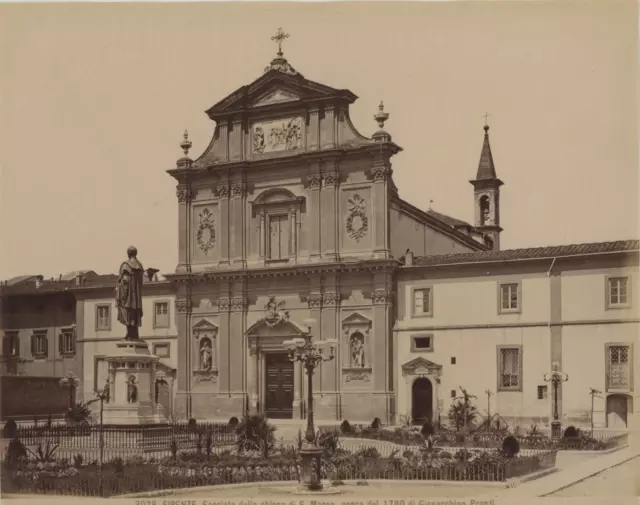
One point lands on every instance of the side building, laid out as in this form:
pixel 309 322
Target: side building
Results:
pixel 98 330
pixel 497 321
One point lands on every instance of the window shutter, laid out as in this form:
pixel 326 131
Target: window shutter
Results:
pixel 5 346
pixel 61 343
pixel 33 344
pixel 16 345
pixel 46 345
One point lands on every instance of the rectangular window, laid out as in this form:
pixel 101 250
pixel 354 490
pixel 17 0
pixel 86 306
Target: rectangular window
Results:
pixel 161 350
pixel 421 343
pixel 279 228
pixel 161 314
pixel 422 302
pixel 453 360
pixel 11 344
pixel 100 373
pixel 619 365
pixel 510 368
pixel 453 393
pixel 103 317
pixel 67 342
pixel 39 344
pixel 510 297
pixel 542 392
pixel 618 291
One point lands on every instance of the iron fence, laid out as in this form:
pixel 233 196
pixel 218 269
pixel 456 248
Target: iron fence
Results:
pixel 132 477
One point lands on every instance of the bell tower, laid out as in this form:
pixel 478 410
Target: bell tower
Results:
pixel 486 193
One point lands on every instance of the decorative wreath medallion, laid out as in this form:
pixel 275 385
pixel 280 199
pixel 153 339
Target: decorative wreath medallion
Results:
pixel 357 221
pixel 206 235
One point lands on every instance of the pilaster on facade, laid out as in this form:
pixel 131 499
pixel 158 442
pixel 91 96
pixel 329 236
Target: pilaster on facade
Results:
pixel 329 208
pixel 314 183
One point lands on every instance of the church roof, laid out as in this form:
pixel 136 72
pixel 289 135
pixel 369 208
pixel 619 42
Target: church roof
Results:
pixel 547 252
pixel 451 221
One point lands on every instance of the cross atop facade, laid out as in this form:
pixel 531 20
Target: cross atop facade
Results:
pixel 486 117
pixel 279 38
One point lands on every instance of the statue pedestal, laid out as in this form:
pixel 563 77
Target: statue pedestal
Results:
pixel 132 378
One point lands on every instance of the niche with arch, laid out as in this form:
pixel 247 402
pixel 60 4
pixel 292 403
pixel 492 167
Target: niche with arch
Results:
pixel 356 348
pixel 205 365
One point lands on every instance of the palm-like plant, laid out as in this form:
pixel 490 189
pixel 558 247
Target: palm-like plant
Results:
pixel 80 413
pixel 461 410
pixel 256 434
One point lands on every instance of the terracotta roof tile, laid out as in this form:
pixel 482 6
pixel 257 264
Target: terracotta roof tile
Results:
pixel 529 253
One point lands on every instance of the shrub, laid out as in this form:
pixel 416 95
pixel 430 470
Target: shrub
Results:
pixel 461 411
pixel 376 424
pixel 49 421
pixel 118 465
pixel 328 442
pixel 510 447
pixel 10 429
pixel 80 413
pixel 255 433
pixel 15 452
pixel 233 422
pixel 427 429
pixel 345 427
pixel 192 423
pixel 208 445
pixel 77 460
pixel 44 454
pixel 571 432
pixel 174 449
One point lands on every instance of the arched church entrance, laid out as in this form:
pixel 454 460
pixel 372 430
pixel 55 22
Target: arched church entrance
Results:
pixel 617 410
pixel 422 400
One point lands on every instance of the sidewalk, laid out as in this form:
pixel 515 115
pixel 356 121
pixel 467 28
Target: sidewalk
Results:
pixel 569 475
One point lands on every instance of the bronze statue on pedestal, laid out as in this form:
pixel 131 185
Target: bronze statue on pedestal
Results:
pixel 129 294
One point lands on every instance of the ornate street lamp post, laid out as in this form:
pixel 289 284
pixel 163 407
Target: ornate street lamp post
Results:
pixel 102 396
pixel 310 354
pixel 555 378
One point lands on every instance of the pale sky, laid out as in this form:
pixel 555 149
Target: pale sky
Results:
pixel 94 100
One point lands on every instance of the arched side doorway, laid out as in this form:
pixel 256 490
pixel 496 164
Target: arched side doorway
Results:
pixel 422 400
pixel 617 411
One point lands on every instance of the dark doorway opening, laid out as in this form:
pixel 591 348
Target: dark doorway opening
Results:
pixel 422 401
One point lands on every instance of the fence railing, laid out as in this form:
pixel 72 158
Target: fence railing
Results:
pixel 87 481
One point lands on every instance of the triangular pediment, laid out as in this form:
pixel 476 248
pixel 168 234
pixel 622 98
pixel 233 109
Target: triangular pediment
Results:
pixel 420 365
pixel 203 326
pixel 356 318
pixel 274 88
pixel 277 95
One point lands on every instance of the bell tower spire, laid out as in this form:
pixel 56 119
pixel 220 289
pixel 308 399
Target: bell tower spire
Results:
pixel 486 193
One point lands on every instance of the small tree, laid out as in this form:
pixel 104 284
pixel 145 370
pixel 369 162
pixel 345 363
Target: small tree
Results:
pixel 80 413
pixel 510 447
pixel 461 410
pixel 255 433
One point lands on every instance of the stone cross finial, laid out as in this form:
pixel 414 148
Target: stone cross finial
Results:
pixel 486 123
pixel 279 38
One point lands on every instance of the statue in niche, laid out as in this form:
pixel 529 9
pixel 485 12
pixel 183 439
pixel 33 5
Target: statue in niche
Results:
pixel 206 355
pixel 132 390
pixel 357 350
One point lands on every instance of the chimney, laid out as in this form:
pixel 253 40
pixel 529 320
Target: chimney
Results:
pixel 151 274
pixel 408 258
pixel 78 278
pixel 39 279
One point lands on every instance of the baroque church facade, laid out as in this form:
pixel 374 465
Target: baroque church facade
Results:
pixel 290 224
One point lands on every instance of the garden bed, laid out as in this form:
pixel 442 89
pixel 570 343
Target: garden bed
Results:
pixel 192 469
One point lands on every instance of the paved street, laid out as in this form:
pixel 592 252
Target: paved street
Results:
pixel 619 481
